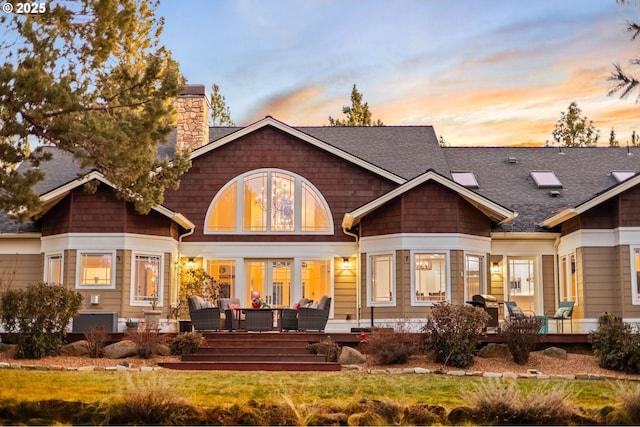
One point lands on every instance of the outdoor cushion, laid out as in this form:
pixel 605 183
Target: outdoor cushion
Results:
pixel 563 312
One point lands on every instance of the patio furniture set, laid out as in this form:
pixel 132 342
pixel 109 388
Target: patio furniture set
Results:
pixel 231 316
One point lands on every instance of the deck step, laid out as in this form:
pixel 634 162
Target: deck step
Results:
pixel 275 343
pixel 271 349
pixel 253 357
pixel 253 366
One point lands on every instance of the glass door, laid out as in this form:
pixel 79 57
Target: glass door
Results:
pixel 523 282
pixel 272 278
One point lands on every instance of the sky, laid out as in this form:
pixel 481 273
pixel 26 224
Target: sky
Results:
pixel 482 72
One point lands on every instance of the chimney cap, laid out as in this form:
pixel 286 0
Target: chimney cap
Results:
pixel 193 90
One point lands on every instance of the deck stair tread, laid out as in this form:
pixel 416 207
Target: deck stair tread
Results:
pixel 253 366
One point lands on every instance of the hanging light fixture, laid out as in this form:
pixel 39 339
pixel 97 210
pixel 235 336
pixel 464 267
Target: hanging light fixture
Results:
pixel 345 263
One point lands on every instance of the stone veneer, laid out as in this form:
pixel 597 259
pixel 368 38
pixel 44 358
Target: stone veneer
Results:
pixel 193 118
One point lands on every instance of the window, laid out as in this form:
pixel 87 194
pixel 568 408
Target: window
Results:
pixel 95 270
pixel 622 175
pixel 467 179
pixel 635 278
pixel 147 284
pixel 429 277
pixel 224 273
pixel 269 201
pixel 568 282
pixel 546 179
pixel 381 283
pixel 316 279
pixel 53 269
pixel 474 275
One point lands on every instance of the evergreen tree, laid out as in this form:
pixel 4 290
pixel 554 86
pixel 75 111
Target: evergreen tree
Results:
pixel 623 82
pixel 90 78
pixel 634 139
pixel 613 142
pixel 575 131
pixel 220 114
pixel 358 114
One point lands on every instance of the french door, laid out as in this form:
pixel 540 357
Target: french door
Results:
pixel 272 278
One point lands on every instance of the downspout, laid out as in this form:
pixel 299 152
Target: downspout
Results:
pixel 556 274
pixel 357 239
pixel 177 273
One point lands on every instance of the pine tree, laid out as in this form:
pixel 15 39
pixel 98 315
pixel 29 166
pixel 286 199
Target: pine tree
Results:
pixel 358 114
pixel 613 142
pixel 220 114
pixel 90 78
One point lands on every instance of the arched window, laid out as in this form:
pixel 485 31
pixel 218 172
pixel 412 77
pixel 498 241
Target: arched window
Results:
pixel 269 201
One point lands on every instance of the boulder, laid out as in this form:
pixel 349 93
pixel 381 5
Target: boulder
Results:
pixel 163 350
pixel 120 350
pixel 351 356
pixel 555 352
pixel 494 350
pixel 8 349
pixel 78 348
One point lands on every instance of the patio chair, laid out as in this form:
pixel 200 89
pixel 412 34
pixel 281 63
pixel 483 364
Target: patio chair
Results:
pixel 515 311
pixel 204 316
pixel 233 317
pixel 314 319
pixel 564 312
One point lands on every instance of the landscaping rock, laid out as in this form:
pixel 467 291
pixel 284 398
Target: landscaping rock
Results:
pixel 494 350
pixel 120 350
pixel 555 352
pixel 163 350
pixel 10 349
pixel 78 348
pixel 351 356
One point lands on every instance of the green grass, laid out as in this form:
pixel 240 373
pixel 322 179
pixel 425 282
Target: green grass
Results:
pixel 221 388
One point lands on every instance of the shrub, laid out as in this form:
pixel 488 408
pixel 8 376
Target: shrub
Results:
pixel 327 347
pixel 186 343
pixel 521 334
pixel 389 347
pixel 627 397
pixel 37 317
pixel 452 332
pixel 616 345
pixel 96 338
pixel 147 342
pixel 496 403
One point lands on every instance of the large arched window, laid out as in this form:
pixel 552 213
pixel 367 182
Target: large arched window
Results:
pixel 269 201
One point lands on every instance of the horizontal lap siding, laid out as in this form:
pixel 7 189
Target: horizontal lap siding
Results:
pixel 630 208
pixel 548 283
pixel 344 290
pixel 345 186
pixel 19 271
pixel 600 283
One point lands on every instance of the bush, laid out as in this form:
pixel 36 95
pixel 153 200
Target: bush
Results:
pixel 96 338
pixel 147 342
pixel 521 334
pixel 616 345
pixel 186 343
pixel 37 318
pixel 452 332
pixel 389 347
pixel 327 347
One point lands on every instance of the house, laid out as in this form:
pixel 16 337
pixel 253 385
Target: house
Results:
pixel 383 219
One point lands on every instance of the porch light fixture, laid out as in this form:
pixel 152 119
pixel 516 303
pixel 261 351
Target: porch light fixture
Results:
pixel 345 263
pixel 495 268
pixel 191 263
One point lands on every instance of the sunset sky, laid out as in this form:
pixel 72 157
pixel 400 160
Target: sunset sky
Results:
pixel 489 72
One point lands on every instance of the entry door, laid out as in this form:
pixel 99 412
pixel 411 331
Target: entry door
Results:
pixel 272 278
pixel 523 282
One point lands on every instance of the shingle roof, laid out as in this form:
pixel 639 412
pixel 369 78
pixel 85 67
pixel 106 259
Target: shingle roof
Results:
pixel 583 172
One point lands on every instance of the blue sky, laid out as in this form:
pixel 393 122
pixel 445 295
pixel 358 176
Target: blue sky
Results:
pixel 482 72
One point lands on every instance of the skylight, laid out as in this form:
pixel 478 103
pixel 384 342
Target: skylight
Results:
pixel 467 179
pixel 622 175
pixel 546 179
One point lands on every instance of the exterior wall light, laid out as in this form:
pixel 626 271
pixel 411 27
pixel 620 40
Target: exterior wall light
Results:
pixel 345 263
pixel 495 268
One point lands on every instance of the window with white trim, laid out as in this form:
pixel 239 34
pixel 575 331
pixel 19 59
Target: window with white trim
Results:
pixel 53 268
pixel 381 279
pixel 429 283
pixel 146 281
pixel 269 201
pixel 96 269
pixel 635 275
pixel 474 275
pixel 568 278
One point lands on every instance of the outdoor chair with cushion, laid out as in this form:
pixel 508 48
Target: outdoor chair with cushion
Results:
pixel 232 314
pixel 204 316
pixel 289 316
pixel 515 311
pixel 564 312
pixel 314 319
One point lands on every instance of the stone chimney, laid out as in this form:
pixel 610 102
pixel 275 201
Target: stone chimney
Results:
pixel 193 117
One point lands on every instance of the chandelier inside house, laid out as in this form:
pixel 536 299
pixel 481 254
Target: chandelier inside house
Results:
pixel 281 206
pixel 423 264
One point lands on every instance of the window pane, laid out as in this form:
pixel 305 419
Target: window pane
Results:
pixel 146 280
pixel 314 215
pixel 282 202
pixel 224 273
pixel 256 202
pixel 95 269
pixel 316 279
pixel 473 270
pixel 636 291
pixel 54 269
pixel 223 213
pixel 382 278
pixel 430 277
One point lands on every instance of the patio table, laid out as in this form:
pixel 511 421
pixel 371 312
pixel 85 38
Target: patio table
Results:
pixel 262 319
